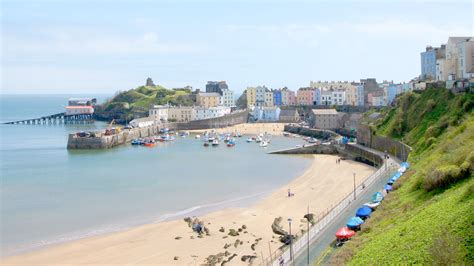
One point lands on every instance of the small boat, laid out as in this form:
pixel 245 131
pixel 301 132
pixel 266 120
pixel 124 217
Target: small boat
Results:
pixel 312 140
pixel 263 144
pixel 249 140
pixel 258 140
pixel 211 139
pixel 206 144
pixel 137 142
pixel 149 144
pixel 197 137
pixel 215 143
pixel 231 144
pixel 372 205
pixel 286 134
pixel 239 135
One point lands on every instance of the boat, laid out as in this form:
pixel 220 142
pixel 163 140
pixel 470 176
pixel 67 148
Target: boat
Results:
pixel 211 139
pixel 137 142
pixel 286 134
pixel 215 143
pixel 263 144
pixel 239 135
pixel 249 140
pixel 166 137
pixel 206 144
pixel 312 140
pixel 231 143
pixel 258 140
pixel 197 137
pixel 149 144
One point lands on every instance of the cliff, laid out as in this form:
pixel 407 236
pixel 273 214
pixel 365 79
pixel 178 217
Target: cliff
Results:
pixel 428 218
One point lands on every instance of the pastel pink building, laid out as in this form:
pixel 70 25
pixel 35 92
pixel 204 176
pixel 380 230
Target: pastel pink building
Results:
pixel 305 96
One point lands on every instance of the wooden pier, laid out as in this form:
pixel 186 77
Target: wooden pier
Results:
pixel 55 119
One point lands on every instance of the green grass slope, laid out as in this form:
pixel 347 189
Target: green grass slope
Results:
pixel 429 218
pixel 135 102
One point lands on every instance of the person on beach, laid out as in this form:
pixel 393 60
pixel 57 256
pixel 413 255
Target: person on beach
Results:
pixel 289 193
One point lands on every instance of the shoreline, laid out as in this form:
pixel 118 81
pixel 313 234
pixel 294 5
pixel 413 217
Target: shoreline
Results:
pixel 321 185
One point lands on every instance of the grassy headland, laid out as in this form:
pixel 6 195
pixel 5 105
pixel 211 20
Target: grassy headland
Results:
pixel 428 219
pixel 125 106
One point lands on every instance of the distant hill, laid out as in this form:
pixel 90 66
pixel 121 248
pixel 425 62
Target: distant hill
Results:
pixel 127 105
pixel 429 217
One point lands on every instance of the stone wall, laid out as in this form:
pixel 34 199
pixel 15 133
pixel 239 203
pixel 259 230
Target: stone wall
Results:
pixel 366 137
pixel 105 142
pixel 348 151
pixel 311 132
pixel 235 118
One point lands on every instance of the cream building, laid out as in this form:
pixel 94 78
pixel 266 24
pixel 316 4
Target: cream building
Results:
pixel 251 96
pixel 269 98
pixel 208 99
pixel 182 113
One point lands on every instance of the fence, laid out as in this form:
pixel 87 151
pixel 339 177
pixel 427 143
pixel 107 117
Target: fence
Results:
pixel 322 221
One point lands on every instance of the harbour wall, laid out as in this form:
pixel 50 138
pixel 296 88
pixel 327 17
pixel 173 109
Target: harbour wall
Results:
pixel 349 151
pixel 311 132
pixel 102 141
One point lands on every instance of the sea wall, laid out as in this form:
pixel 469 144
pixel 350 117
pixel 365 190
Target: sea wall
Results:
pixel 238 117
pixel 366 137
pixel 349 151
pixel 311 132
pixel 101 141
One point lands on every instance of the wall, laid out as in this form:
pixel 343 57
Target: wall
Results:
pixel 366 137
pixel 311 132
pixel 106 142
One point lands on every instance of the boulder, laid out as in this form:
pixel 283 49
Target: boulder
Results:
pixel 277 228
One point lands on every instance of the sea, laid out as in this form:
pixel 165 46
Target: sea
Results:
pixel 50 195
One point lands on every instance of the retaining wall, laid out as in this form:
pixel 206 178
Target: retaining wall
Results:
pixel 366 137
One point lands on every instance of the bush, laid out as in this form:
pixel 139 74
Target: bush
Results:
pixel 447 249
pixel 443 176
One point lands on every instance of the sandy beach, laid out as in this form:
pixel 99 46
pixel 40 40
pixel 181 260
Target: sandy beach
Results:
pixel 251 128
pixel 173 242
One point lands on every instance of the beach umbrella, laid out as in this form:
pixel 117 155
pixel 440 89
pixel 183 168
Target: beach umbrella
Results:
pixel 377 197
pixel 344 233
pixel 364 212
pixel 354 222
pixel 388 188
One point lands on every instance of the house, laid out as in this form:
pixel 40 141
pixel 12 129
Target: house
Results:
pixel 289 116
pixel 181 114
pixel 208 99
pixel 325 118
pixel 159 112
pixel 211 112
pixel 305 96
pixel 266 113
pixel 81 106
pixel 339 97
pixel 227 98
pixel 269 98
pixel 326 97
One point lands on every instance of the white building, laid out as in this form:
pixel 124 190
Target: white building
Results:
pixel 211 112
pixel 79 110
pixel 339 97
pixel 266 113
pixel 326 97
pixel 227 98
pixel 159 112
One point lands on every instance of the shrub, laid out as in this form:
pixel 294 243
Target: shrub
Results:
pixel 443 176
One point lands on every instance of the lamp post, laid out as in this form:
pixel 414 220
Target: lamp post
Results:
pixel 291 240
pixel 354 186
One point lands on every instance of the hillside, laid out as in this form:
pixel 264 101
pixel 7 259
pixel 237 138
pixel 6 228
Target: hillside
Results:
pixel 125 106
pixel 429 218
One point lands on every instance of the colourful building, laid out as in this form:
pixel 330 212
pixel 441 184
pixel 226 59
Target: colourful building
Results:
pixel 277 99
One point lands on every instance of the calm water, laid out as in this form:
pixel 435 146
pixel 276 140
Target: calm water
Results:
pixel 50 195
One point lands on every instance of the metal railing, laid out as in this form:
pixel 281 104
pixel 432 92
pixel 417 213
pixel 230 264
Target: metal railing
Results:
pixel 323 219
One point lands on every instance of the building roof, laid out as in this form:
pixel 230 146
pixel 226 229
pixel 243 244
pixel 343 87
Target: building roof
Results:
pixel 325 111
pixel 209 94
pixel 289 112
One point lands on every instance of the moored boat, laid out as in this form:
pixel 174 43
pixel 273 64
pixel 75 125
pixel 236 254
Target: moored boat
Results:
pixel 215 142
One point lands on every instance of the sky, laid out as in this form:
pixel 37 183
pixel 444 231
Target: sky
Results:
pixel 72 47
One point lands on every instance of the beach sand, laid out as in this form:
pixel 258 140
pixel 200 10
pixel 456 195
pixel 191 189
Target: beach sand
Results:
pixel 250 128
pixel 322 185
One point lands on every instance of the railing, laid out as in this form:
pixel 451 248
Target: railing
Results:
pixel 323 219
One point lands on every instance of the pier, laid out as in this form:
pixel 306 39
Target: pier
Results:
pixel 54 119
